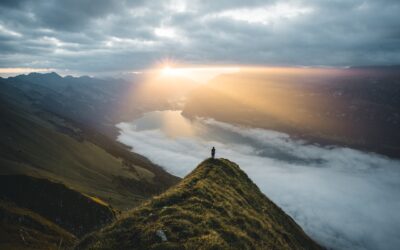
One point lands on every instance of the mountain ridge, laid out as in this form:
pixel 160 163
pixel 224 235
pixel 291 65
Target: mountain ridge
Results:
pixel 216 206
pixel 41 143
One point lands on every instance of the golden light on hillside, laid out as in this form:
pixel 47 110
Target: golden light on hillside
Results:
pixel 273 93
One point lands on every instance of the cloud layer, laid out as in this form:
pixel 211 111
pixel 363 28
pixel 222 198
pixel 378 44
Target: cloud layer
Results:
pixel 127 35
pixel 343 198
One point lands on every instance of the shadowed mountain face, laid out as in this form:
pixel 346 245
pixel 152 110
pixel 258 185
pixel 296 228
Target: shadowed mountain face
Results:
pixel 41 214
pixel 215 207
pixel 351 107
pixel 38 140
pixel 55 128
pixel 71 210
pixel 21 228
pixel 98 103
pixel 84 100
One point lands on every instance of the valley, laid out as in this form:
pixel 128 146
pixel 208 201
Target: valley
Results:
pixel 355 107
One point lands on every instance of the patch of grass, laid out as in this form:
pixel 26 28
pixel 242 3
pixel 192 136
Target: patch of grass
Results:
pixel 76 213
pixel 23 229
pixel 215 207
pixel 98 200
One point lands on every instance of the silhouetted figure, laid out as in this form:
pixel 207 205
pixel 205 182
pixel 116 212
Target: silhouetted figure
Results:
pixel 213 153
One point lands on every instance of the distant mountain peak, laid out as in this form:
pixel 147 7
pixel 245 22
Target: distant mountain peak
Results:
pixel 216 206
pixel 53 73
pixel 50 74
pixel 85 77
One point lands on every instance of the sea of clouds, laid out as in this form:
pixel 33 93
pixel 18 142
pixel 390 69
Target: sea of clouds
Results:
pixel 343 198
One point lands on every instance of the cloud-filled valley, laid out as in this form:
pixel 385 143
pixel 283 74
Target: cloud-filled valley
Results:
pixel 343 198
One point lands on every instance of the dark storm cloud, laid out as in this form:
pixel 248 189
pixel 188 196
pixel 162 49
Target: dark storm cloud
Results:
pixel 98 36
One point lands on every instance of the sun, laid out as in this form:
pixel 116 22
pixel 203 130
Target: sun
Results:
pixel 198 74
pixel 167 70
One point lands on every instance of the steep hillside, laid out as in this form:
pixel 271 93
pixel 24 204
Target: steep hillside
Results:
pixel 87 100
pixel 69 209
pixel 98 103
pixel 215 207
pixel 38 143
pixel 60 175
pixel 21 228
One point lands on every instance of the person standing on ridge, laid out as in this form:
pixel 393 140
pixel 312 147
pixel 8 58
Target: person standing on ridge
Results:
pixel 213 152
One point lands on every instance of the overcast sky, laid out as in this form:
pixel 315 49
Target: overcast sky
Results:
pixel 115 36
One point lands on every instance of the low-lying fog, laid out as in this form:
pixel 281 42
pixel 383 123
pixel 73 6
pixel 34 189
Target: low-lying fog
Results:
pixel 343 198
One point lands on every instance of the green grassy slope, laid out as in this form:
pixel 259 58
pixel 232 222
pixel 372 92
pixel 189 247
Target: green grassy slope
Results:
pixel 71 210
pixel 215 207
pixel 59 178
pixel 38 143
pixel 21 228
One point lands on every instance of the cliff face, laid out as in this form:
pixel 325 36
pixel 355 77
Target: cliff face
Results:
pixel 215 207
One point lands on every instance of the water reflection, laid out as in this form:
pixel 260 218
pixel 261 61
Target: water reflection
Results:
pixel 171 123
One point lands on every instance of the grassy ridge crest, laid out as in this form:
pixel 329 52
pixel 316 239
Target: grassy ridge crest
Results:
pixel 216 206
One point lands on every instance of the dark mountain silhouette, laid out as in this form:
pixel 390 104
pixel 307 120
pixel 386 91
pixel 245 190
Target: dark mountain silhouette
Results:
pixel 215 207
